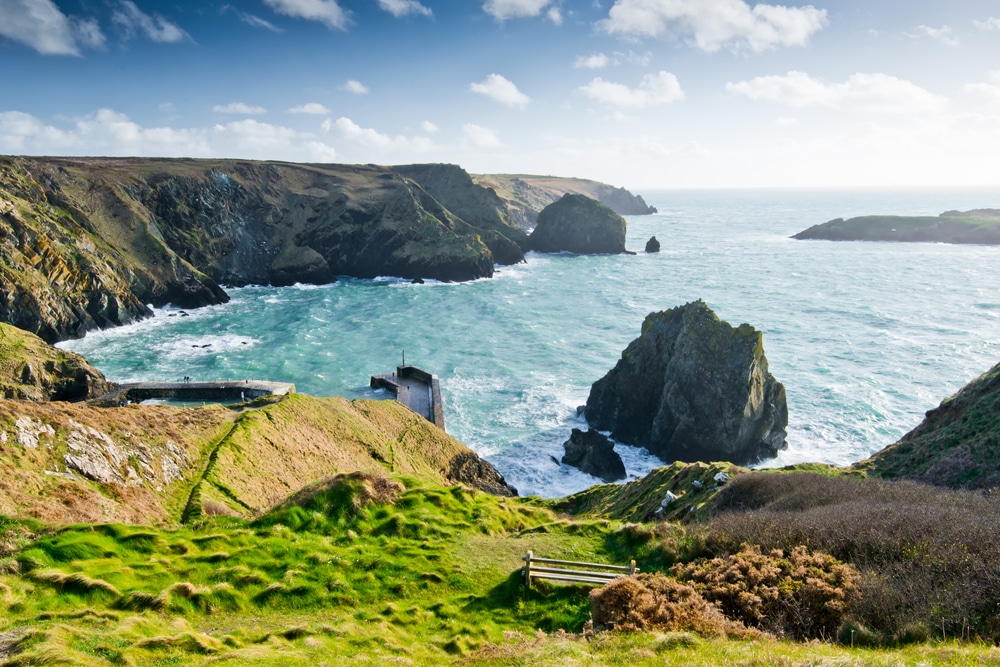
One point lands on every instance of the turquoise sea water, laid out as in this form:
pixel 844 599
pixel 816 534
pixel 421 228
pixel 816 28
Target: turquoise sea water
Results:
pixel 864 336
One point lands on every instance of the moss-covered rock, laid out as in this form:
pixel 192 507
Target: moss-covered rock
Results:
pixel 31 369
pixel 578 224
pixel 956 445
pixel 693 388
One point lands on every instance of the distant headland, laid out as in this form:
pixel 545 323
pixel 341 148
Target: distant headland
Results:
pixel 979 226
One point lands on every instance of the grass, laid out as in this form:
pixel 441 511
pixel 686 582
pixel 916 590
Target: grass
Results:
pixel 358 568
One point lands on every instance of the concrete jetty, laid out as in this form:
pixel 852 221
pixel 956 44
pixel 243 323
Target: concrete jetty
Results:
pixel 416 389
pixel 218 390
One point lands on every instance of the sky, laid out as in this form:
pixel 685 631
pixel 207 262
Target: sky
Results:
pixel 637 93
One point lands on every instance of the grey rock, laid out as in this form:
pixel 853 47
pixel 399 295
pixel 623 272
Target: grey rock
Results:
pixel 594 454
pixel 693 388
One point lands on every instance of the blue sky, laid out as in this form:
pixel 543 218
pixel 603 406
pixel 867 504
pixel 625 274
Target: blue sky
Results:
pixel 640 93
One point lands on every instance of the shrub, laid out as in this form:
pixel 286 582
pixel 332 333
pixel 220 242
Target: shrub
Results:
pixel 803 595
pixel 645 602
pixel 927 556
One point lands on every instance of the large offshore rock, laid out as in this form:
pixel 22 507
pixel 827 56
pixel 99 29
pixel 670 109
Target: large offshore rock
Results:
pixel 33 370
pixel 593 453
pixel 578 224
pixel 693 388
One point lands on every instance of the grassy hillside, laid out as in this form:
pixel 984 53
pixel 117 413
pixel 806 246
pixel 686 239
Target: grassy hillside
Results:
pixel 68 463
pixel 360 568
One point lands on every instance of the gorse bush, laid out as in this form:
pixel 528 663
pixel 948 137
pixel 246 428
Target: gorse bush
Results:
pixel 802 595
pixel 927 557
pixel 646 602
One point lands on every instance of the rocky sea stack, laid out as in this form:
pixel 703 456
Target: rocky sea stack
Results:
pixel 693 388
pixel 652 245
pixel 593 453
pixel 578 224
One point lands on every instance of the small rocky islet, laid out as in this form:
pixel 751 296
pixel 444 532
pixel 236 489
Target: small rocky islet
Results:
pixel 978 226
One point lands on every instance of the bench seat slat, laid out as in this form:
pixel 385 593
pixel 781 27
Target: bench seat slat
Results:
pixel 553 570
pixel 550 561
pixel 588 580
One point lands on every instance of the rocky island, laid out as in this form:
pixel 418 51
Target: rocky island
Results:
pixel 979 226
pixel 578 224
pixel 693 388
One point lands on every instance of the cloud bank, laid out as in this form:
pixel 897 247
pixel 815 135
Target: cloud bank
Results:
pixel 501 90
pixel 654 90
pixel 712 24
pixel 41 25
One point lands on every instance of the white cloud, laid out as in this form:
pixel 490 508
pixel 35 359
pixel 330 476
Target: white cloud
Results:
pixel 501 90
pixel 310 108
pixel 944 34
pixel 593 61
pixel 258 22
pixel 879 93
pixel 108 132
pixel 712 24
pixel 481 137
pixel 503 10
pixel 168 107
pixel 653 90
pixel 356 87
pixel 327 12
pixel 133 20
pixel 40 25
pixel 992 23
pixel 371 138
pixel 785 121
pixel 238 107
pixel 429 127
pixel 400 8
pixel 555 15
pixel 986 93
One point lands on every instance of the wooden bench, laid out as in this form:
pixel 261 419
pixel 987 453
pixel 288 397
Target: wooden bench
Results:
pixel 573 571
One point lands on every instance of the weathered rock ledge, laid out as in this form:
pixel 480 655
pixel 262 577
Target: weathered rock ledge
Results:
pixel 580 225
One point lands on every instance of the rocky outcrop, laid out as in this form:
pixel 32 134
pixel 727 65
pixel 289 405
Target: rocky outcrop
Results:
pixel 580 225
pixel 956 445
pixel 469 469
pixel 652 245
pixel 478 207
pixel 32 370
pixel 980 226
pixel 525 196
pixel 593 453
pixel 693 388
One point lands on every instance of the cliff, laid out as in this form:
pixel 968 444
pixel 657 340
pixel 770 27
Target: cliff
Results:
pixel 88 242
pixel 527 195
pixel 578 224
pixel 693 388
pixel 956 445
pixel 981 226
pixel 30 369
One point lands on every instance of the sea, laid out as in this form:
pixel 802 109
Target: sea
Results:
pixel 865 336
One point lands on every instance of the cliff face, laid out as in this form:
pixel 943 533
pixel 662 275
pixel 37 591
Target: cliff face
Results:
pixel 579 224
pixel 956 445
pixel 525 196
pixel 88 242
pixel 693 388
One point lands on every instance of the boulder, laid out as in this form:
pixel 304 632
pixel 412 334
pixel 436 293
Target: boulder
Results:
pixel 594 454
pixel 652 245
pixel 578 224
pixel 693 388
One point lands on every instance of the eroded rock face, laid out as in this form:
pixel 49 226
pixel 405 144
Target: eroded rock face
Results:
pixel 693 388
pixel 652 245
pixel 31 369
pixel 473 471
pixel 580 225
pixel 593 453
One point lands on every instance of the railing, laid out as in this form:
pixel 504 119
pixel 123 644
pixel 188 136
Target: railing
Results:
pixel 573 571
